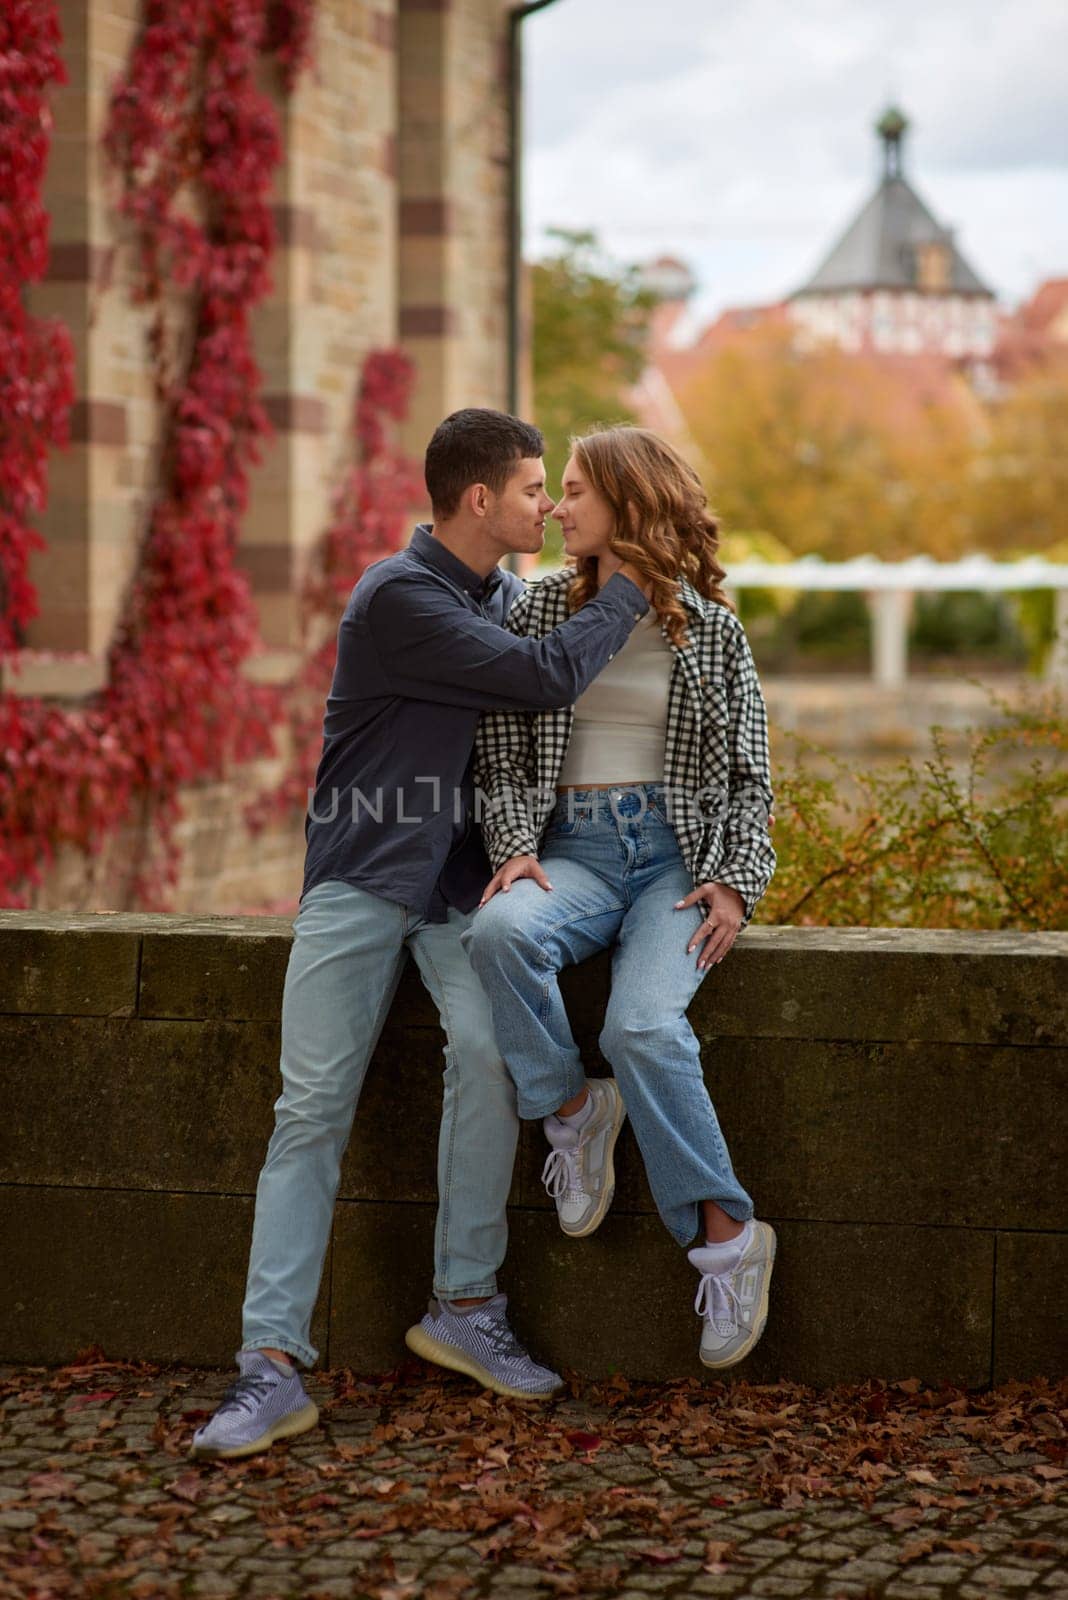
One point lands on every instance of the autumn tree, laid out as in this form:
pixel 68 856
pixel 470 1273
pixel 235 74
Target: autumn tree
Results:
pixel 834 453
pixel 1020 479
pixel 591 325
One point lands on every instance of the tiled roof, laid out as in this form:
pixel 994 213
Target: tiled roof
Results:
pixel 881 248
pixel 1046 305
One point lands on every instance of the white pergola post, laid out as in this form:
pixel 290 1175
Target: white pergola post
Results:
pixel 889 636
pixel 1057 665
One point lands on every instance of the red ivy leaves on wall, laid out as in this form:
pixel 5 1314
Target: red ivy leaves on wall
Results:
pixel 36 357
pixel 370 515
pixel 176 707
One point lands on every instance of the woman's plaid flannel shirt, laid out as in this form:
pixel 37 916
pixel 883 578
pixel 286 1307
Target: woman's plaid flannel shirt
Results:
pixel 716 760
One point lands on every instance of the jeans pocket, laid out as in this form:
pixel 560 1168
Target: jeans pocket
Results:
pixel 564 827
pixel 567 820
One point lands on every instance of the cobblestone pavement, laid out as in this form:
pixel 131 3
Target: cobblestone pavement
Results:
pixel 420 1488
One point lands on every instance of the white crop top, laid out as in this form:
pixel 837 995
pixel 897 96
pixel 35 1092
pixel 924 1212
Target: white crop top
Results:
pixel 620 723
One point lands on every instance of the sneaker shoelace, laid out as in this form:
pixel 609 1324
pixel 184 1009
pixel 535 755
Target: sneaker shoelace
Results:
pixel 245 1392
pixel 501 1337
pixel 562 1174
pixel 717 1299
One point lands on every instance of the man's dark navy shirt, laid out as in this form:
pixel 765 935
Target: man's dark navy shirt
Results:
pixel 421 651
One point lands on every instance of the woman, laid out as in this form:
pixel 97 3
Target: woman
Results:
pixel 657 844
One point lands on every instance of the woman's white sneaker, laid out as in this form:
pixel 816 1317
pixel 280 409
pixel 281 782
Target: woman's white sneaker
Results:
pixel 580 1174
pixel 734 1302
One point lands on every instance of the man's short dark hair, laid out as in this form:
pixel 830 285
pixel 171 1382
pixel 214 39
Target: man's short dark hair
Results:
pixel 476 446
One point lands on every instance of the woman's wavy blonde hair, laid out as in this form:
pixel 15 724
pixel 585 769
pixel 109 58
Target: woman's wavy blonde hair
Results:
pixel 663 524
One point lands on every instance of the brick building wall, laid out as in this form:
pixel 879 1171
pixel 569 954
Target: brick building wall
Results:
pixel 392 210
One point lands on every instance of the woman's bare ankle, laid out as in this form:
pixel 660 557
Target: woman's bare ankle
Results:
pixel 576 1103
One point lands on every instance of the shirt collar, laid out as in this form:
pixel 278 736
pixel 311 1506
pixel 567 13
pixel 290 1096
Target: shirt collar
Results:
pixel 431 551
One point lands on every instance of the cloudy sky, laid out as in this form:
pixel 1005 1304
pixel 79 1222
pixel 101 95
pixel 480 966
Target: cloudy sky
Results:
pixel 737 133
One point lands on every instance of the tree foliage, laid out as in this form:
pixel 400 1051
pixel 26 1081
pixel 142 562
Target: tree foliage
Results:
pixel 833 453
pixel 591 325
pixel 843 454
pixel 1020 477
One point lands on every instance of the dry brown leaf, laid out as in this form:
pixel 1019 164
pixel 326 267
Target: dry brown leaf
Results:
pixel 718 1552
pixel 661 1556
pixel 904 1517
pixel 52 1486
pixel 190 1486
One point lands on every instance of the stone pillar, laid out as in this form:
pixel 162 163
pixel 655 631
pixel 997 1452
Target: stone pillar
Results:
pixel 98 488
pixel 890 628
pixel 334 299
pixel 1057 665
pixel 453 170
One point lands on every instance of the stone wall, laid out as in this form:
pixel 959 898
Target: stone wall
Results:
pixel 894 1100
pixel 392 217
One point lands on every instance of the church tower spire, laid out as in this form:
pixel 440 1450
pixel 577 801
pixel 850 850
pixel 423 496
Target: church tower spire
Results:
pixel 891 128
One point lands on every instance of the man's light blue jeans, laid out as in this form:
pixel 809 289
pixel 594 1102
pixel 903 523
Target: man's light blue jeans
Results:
pixel 349 950
pixel 617 873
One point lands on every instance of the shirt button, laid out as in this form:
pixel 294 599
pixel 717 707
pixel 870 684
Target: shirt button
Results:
pixel 637 616
pixel 611 655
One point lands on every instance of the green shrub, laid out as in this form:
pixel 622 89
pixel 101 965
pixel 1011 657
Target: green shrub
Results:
pixel 945 843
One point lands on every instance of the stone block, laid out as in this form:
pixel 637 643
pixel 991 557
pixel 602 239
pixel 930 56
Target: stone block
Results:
pixel 1031 1304
pixel 68 964
pixel 215 967
pixel 383 1270
pixel 148 1277
pixel 852 1300
pixel 100 1103
pixel 889 983
pixel 893 1132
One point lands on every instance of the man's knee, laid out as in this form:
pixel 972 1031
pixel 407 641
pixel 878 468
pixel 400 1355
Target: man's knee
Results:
pixel 478 1065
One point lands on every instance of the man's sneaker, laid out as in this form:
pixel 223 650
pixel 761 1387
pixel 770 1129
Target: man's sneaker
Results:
pixel 262 1405
pixel 477 1340
pixel 734 1303
pixel 579 1173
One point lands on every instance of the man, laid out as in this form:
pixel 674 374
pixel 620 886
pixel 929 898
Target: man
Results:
pixel 395 866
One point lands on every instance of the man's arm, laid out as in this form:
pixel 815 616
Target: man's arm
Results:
pixel 430 648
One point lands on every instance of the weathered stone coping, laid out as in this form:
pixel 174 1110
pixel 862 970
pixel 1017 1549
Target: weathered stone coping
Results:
pixel 831 983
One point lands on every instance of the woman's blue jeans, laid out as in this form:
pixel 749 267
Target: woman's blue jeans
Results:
pixel 617 873
pixel 349 950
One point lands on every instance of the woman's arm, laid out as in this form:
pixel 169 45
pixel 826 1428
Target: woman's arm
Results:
pixel 748 859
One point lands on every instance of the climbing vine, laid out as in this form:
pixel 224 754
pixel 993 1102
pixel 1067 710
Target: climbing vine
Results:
pixel 36 358
pixel 195 143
